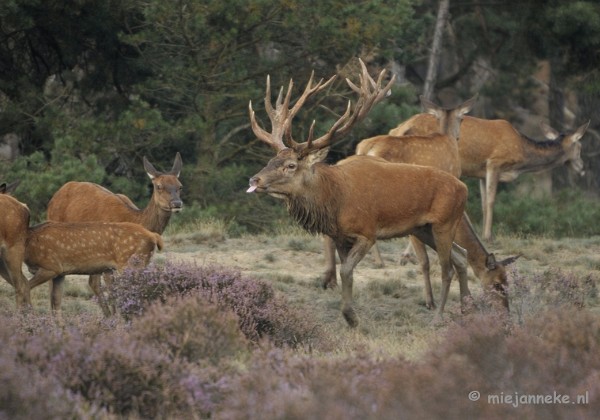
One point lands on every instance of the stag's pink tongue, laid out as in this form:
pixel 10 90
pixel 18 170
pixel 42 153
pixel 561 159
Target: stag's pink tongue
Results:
pixel 251 189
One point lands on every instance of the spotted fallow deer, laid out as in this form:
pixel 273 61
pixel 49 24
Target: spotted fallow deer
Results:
pixel 340 200
pixel 88 202
pixel 438 150
pixel 494 151
pixel 14 221
pixel 56 249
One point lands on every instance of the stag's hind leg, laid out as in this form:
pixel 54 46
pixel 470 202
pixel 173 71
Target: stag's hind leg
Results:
pixel 350 254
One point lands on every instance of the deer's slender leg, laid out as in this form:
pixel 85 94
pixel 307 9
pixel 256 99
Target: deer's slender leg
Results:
pixel 482 188
pixel 491 181
pixel 351 254
pixel 95 282
pixel 423 258
pixel 12 272
pixel 329 277
pixel 377 255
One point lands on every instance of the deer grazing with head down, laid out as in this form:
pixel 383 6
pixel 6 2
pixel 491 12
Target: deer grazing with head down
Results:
pixel 55 249
pixel 494 151
pixel 362 198
pixel 440 150
pixel 88 202
pixel 14 221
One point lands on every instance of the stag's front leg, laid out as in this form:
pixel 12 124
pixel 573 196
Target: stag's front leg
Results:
pixel 329 277
pixel 350 255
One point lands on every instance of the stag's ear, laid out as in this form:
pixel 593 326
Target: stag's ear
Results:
pixel 316 156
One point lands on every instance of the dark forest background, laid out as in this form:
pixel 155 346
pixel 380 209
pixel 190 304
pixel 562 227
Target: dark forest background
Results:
pixel 87 88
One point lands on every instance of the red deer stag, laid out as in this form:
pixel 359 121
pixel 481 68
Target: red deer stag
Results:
pixel 362 198
pixel 439 150
pixel 494 151
pixel 55 249
pixel 88 202
pixel 14 221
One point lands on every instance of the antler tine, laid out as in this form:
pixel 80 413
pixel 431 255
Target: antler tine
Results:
pixel 277 115
pixel 281 116
pixel 309 91
pixel 370 93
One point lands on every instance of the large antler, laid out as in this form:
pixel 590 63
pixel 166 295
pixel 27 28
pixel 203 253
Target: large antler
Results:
pixel 370 93
pixel 281 116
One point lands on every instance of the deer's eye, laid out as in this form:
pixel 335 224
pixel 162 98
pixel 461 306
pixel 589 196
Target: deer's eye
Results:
pixel 291 165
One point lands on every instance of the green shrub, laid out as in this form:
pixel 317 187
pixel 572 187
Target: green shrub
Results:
pixel 568 212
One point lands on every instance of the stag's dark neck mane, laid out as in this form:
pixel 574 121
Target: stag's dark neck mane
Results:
pixel 316 210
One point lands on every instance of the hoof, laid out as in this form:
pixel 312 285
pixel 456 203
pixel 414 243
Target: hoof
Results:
pixel 408 258
pixel 468 305
pixel 350 317
pixel 329 281
pixel 430 305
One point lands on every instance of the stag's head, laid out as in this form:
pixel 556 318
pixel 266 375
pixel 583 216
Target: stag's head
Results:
pixel 167 188
pixel 285 175
pixel 570 144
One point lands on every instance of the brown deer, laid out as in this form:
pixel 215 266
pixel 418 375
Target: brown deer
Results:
pixel 494 151
pixel 56 249
pixel 439 150
pixel 87 202
pixel 362 198
pixel 14 221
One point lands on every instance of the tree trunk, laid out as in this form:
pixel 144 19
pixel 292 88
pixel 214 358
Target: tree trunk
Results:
pixel 436 48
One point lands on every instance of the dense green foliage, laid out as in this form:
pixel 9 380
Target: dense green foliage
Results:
pixel 92 87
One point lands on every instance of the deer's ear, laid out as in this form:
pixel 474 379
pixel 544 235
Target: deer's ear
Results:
pixel 430 107
pixel 316 156
pixel 578 134
pixel 549 132
pixel 466 106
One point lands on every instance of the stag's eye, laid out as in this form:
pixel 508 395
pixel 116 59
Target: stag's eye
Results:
pixel 291 165
pixel 159 187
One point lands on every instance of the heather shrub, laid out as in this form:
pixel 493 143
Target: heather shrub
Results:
pixel 192 329
pixel 25 394
pixel 464 375
pixel 261 313
pixel 119 373
pixel 283 385
pixel 552 288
